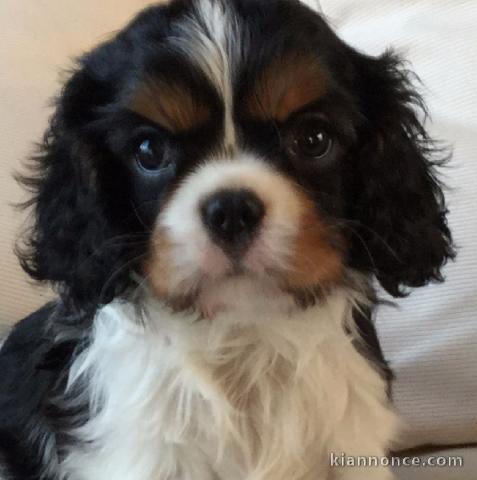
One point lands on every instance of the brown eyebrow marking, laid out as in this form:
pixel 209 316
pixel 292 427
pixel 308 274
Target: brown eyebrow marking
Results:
pixel 285 86
pixel 172 106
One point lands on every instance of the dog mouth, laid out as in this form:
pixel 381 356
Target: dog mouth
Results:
pixel 241 289
pixel 255 277
pixel 260 274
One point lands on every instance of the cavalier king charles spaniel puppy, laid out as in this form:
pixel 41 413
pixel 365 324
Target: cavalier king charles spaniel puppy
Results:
pixel 221 188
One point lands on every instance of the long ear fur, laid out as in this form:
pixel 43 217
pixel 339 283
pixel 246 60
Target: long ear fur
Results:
pixel 398 203
pixel 70 243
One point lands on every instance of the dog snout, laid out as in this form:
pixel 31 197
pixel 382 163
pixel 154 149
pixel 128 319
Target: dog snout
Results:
pixel 232 218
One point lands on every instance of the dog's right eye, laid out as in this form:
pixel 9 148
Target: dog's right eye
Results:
pixel 310 138
pixel 151 155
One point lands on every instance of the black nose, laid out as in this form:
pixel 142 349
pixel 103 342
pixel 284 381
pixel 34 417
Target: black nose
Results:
pixel 232 217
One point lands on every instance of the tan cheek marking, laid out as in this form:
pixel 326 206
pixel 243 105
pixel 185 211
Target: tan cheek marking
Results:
pixel 171 106
pixel 285 87
pixel 157 267
pixel 315 261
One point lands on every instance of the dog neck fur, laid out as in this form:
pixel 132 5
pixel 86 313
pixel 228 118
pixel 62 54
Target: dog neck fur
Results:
pixel 239 398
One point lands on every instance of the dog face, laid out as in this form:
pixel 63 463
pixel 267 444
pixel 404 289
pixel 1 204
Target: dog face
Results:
pixel 216 145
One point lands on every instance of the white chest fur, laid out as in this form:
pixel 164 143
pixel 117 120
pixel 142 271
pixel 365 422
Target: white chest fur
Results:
pixel 265 397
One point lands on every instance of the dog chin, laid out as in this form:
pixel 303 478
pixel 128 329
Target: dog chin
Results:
pixel 243 295
pixel 241 285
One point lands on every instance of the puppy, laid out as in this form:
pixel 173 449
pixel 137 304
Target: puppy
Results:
pixel 219 187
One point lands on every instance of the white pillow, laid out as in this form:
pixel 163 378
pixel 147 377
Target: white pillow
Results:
pixel 431 340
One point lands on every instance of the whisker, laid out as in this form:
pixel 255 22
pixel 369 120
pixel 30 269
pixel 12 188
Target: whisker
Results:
pixel 376 234
pixel 116 272
pixel 118 241
pixel 141 221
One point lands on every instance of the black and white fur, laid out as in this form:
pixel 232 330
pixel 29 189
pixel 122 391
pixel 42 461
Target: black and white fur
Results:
pixel 166 356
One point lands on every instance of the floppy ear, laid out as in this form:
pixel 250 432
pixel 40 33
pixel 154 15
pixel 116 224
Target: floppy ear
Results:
pixel 399 207
pixel 67 242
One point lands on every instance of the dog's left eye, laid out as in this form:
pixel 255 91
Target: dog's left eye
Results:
pixel 151 155
pixel 310 138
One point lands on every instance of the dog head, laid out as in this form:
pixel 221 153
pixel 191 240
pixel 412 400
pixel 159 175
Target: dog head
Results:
pixel 213 144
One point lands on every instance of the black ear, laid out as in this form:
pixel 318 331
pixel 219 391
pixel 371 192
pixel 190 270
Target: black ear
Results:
pixel 71 240
pixel 398 203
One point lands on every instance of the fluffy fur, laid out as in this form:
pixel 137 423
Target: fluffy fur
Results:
pixel 200 389
pixel 219 187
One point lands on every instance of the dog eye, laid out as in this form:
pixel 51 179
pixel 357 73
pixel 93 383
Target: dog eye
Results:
pixel 311 139
pixel 151 155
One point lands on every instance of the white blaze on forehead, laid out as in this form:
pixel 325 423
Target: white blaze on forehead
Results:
pixel 210 38
pixel 314 4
